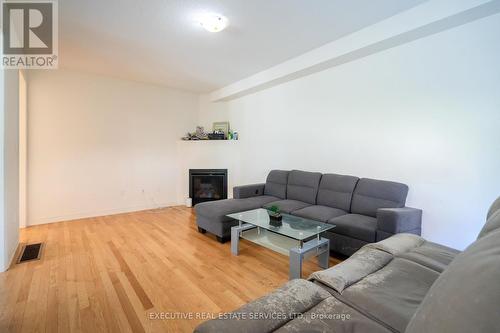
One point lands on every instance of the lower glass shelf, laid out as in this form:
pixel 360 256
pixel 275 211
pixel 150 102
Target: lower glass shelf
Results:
pixel 270 240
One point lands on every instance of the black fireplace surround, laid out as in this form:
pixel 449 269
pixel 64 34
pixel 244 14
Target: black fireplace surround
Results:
pixel 207 185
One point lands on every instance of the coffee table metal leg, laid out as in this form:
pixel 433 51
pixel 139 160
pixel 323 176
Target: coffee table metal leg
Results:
pixel 235 241
pixel 314 248
pixel 295 270
pixel 235 236
pixel 324 257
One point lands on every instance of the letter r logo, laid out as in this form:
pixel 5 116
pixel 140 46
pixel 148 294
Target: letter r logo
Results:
pixel 27 27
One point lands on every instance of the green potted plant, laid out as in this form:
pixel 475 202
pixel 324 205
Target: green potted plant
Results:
pixel 274 215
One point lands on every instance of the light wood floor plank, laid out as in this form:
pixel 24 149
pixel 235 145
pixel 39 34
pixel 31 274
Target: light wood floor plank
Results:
pixel 114 273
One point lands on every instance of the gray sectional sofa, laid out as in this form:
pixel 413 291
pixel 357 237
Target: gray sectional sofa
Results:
pixel 401 284
pixel 363 210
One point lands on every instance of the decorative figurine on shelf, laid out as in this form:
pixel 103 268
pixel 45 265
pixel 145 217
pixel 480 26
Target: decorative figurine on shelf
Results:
pixel 199 134
pixel 275 216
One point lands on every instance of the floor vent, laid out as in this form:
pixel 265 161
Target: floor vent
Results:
pixel 30 252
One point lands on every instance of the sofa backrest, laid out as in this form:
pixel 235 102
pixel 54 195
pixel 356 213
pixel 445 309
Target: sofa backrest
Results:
pixel 303 186
pixel 336 191
pixel 372 194
pixel 465 297
pixel 276 183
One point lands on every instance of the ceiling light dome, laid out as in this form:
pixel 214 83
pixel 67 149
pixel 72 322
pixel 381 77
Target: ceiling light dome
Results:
pixel 213 22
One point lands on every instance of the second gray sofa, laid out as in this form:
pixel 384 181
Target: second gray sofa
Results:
pixel 401 284
pixel 363 210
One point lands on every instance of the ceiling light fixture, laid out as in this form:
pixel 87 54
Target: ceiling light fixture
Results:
pixel 212 22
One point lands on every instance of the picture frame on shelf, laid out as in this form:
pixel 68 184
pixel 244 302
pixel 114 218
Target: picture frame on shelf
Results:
pixel 221 126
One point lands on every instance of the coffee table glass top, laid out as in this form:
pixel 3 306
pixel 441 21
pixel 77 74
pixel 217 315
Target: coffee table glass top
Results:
pixel 292 226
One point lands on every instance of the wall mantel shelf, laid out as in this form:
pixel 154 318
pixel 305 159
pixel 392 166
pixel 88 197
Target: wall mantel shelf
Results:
pixel 209 140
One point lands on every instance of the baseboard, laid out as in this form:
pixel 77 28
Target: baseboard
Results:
pixel 84 215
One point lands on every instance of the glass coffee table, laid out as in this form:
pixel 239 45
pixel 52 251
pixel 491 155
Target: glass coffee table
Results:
pixel 297 237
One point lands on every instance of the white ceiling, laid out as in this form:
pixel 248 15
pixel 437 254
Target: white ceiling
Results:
pixel 157 41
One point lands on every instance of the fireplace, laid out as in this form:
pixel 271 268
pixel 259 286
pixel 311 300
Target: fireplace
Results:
pixel 207 185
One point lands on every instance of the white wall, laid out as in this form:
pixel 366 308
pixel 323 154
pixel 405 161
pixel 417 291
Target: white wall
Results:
pixel 425 113
pixel 23 147
pixel 9 166
pixel 3 256
pixel 98 145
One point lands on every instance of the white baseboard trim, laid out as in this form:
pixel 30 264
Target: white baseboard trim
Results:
pixel 83 215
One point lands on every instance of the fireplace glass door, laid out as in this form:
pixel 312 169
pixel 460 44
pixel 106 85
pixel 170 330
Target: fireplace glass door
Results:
pixel 207 185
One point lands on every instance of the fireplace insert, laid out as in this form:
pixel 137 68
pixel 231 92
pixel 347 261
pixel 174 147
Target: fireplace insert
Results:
pixel 207 185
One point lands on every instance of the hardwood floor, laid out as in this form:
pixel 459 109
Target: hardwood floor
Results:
pixel 147 271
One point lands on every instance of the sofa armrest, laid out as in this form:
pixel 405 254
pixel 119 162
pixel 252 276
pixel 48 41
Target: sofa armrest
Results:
pixel 247 191
pixel 398 220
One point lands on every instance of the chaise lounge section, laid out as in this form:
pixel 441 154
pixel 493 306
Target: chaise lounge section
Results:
pixel 401 284
pixel 363 210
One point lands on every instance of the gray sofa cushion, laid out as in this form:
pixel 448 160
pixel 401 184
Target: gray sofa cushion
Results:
pixel 466 296
pixel 260 201
pixel 276 183
pixel 432 255
pixel 495 206
pixel 331 315
pixel 399 243
pixel 336 191
pixel 493 222
pixel 218 210
pixel 287 206
pixel 362 263
pixel 393 293
pixel 356 226
pixel 319 213
pixel 418 250
pixel 303 186
pixel 297 296
pixel 371 194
